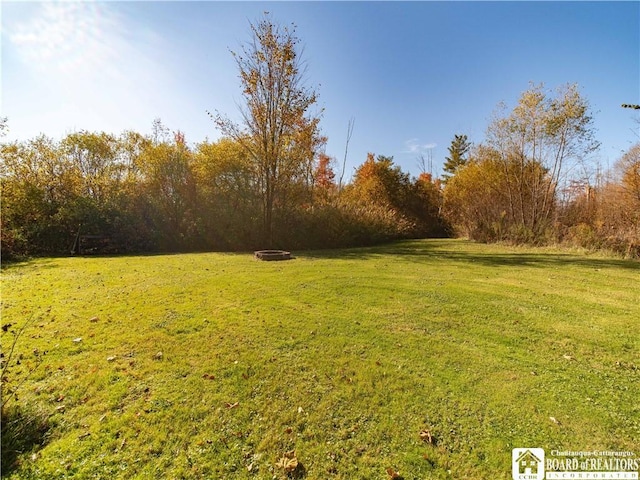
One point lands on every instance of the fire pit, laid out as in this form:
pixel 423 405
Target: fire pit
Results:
pixel 270 255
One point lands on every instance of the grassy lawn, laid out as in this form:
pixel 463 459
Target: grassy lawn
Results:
pixel 214 365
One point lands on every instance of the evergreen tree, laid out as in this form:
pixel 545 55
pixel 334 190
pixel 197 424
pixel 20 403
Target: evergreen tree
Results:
pixel 457 155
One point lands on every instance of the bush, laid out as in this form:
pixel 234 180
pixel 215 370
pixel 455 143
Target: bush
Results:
pixel 340 224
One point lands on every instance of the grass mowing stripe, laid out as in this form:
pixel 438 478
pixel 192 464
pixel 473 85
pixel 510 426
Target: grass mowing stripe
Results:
pixel 344 356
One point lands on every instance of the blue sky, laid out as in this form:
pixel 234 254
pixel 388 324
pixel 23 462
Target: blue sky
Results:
pixel 412 74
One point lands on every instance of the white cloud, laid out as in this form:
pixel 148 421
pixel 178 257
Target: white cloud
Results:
pixel 413 146
pixel 74 40
pixel 87 66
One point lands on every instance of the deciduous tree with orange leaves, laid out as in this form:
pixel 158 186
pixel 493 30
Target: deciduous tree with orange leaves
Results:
pixel 278 130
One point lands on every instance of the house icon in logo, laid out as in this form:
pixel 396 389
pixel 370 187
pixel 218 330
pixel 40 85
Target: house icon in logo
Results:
pixel 528 463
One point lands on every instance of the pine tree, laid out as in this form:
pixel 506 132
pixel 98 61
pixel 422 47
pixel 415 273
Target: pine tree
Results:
pixel 457 155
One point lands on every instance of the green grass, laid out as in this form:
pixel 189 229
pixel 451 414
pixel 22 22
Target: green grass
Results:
pixel 343 356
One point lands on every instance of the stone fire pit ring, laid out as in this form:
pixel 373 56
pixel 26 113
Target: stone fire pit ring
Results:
pixel 271 255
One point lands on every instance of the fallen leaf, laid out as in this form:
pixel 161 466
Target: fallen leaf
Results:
pixel 94 319
pixel 158 356
pixel 426 436
pixel 288 462
pixel 554 420
pixel 392 473
pixel 110 359
pixel 231 405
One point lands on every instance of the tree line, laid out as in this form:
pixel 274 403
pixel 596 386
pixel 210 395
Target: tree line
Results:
pixel 530 180
pixel 268 183
pixel 155 193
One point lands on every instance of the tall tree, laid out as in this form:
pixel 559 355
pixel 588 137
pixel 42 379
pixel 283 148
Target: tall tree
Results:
pixel 457 155
pixel 543 131
pixel 352 122
pixel 170 186
pixel 479 200
pixel 227 199
pixel 629 168
pixel 277 130
pixel 378 180
pixel 324 177
pixel 93 155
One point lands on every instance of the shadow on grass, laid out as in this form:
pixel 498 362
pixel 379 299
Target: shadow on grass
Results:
pixel 49 261
pixel 422 251
pixel 44 262
pixel 425 251
pixel 23 430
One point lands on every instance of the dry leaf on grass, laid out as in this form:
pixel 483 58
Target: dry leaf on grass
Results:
pixel 288 462
pixel 426 436
pixel 555 420
pixel 393 474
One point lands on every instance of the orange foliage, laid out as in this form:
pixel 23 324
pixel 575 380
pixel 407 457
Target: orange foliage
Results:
pixel 324 174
